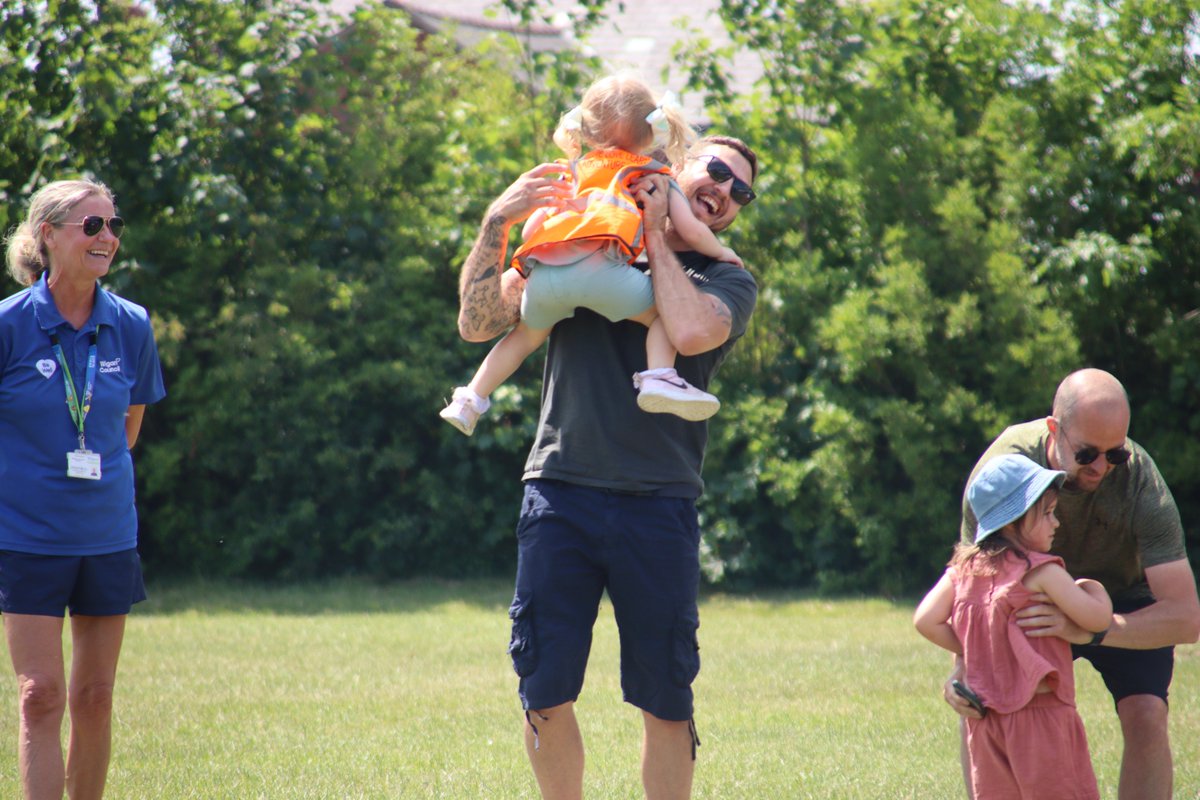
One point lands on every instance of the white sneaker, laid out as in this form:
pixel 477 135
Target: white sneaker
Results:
pixel 464 410
pixel 667 393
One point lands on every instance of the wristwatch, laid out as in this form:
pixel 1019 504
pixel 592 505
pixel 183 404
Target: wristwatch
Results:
pixel 1097 638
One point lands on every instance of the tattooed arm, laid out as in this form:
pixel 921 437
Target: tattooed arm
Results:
pixel 489 301
pixel 695 321
pixel 489 294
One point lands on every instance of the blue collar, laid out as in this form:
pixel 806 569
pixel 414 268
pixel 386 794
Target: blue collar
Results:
pixel 104 310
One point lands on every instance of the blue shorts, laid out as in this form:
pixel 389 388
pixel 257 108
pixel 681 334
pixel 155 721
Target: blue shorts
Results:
pixel 1130 672
pixel 94 586
pixel 574 542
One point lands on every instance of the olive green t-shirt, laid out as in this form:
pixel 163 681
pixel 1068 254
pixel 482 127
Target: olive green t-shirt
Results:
pixel 1128 523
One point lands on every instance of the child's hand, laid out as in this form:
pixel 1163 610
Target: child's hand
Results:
pixel 731 257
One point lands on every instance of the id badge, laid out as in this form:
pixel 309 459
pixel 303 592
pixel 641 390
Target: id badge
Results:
pixel 83 464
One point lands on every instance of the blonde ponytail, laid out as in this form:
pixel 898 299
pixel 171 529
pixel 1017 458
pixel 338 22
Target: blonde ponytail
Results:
pixel 26 257
pixel 569 135
pixel 679 135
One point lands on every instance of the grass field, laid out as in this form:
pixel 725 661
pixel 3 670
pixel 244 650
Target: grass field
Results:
pixel 353 690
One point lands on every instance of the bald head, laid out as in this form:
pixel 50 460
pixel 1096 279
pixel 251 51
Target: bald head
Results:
pixel 1090 392
pixel 1091 415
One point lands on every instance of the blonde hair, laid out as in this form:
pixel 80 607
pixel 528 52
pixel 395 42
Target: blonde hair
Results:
pixel 27 255
pixel 613 114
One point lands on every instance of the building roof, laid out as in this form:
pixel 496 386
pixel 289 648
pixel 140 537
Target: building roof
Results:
pixel 638 36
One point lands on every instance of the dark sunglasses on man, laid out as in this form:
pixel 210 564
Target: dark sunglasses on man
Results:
pixel 720 172
pixel 92 225
pixel 1086 455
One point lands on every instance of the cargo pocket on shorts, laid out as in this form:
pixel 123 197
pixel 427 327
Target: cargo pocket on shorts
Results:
pixel 685 655
pixel 522 646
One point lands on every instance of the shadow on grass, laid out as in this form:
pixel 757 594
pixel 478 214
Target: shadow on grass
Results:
pixel 366 596
pixel 313 598
pixel 777 597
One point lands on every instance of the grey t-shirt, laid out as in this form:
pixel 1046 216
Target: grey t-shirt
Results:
pixel 1112 534
pixel 591 431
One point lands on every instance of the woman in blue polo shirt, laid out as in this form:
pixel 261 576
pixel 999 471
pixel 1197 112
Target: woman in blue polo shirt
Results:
pixel 77 367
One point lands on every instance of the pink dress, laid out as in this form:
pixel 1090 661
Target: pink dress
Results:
pixel 1029 745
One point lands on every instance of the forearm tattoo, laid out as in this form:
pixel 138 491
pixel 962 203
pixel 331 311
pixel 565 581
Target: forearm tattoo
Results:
pixel 723 313
pixel 484 308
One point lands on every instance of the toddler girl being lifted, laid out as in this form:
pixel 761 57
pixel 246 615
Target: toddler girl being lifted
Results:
pixel 579 254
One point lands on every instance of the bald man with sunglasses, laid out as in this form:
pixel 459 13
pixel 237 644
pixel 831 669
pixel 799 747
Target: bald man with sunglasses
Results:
pixel 610 490
pixel 1118 524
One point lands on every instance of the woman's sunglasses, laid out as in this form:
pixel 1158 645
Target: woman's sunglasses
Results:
pixel 720 172
pixel 1086 455
pixel 92 225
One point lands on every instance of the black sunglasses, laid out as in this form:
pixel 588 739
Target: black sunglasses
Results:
pixel 720 172
pixel 92 225
pixel 1086 455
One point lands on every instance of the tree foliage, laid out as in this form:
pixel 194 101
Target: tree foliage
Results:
pixel 964 202
pixel 960 202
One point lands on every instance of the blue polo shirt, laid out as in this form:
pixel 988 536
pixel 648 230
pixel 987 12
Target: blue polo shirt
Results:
pixel 42 510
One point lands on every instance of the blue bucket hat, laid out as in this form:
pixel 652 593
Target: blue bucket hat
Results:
pixel 1005 489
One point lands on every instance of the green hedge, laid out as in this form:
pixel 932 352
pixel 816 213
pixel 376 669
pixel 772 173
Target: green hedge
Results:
pixel 959 204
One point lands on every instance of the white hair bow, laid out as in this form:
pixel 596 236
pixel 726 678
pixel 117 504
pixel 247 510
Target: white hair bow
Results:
pixel 573 119
pixel 658 118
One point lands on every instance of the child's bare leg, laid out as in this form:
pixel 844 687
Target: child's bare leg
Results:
pixel 660 353
pixel 470 401
pixel 660 389
pixel 504 359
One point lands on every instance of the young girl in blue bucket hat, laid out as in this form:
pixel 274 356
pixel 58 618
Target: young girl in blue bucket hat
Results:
pixel 1029 742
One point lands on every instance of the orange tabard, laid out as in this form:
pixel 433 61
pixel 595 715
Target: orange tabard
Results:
pixel 602 177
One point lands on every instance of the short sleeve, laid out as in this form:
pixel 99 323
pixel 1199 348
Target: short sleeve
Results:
pixel 148 381
pixel 738 290
pixel 1156 521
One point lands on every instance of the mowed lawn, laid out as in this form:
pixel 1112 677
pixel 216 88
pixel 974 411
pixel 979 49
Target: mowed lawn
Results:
pixel 355 690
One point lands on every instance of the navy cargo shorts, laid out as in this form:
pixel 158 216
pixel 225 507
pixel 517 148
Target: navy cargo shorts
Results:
pixel 574 542
pixel 1130 672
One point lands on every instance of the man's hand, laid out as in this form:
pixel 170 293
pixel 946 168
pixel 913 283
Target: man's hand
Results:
pixel 546 185
pixel 953 699
pixel 651 192
pixel 489 299
pixel 1043 618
